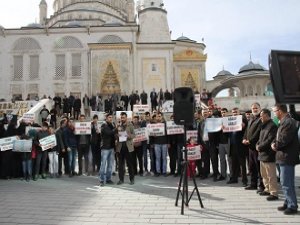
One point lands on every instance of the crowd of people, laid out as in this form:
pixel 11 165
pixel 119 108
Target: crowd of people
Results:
pixel 264 151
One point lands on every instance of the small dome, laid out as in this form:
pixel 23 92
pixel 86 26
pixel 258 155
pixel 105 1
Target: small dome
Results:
pixel 223 73
pixel 73 23
pixel 251 67
pixel 34 25
pixel 1 27
pixel 112 24
pixel 184 38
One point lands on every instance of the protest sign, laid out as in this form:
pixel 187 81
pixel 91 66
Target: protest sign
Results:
pixel 28 128
pixel 194 152
pixel 173 128
pixel 83 128
pixel 213 124
pixel 7 143
pixel 232 123
pixel 156 129
pixel 167 107
pixel 141 134
pixel 192 134
pixel 140 109
pixel 28 117
pixel 48 142
pixel 22 146
pixel 198 100
pixel 129 115
pixel 101 115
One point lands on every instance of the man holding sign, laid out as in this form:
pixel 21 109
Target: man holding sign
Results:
pixel 41 157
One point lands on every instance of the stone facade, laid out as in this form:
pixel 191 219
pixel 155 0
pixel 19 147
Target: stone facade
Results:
pixel 76 50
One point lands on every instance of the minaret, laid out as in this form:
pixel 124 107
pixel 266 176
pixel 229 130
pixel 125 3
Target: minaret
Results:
pixel 153 22
pixel 43 12
pixel 130 10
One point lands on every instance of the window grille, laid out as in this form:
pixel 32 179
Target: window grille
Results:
pixel 60 69
pixel 18 67
pixel 76 65
pixel 34 67
pixel 26 44
pixel 67 42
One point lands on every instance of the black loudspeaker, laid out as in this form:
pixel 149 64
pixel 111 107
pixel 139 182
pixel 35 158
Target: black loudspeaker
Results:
pixel 184 106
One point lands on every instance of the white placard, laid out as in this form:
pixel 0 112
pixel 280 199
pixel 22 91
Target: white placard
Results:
pixel 167 107
pixel 129 115
pixel 122 136
pixel 156 129
pixel 83 128
pixel 101 115
pixel 140 109
pixel 141 134
pixel 28 128
pixel 213 124
pixel 28 117
pixel 192 134
pixel 198 99
pixel 194 152
pixel 232 123
pixel 48 142
pixel 173 128
pixel 22 146
pixel 7 143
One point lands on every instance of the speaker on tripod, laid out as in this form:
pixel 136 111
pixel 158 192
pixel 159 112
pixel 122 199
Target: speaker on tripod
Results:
pixel 184 108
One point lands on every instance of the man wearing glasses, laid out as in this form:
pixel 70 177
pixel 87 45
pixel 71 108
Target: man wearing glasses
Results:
pixel 286 146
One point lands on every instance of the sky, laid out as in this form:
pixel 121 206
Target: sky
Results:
pixel 233 30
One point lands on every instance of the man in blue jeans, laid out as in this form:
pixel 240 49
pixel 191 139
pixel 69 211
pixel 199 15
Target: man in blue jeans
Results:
pixel 286 146
pixel 107 150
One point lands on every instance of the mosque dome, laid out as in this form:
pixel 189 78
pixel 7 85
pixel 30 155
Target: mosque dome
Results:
pixel 184 38
pixel 33 25
pixel 91 13
pixel 222 74
pixel 73 23
pixel 1 27
pixel 251 67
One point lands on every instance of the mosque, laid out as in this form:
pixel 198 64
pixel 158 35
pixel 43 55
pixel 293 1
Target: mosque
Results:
pixel 110 46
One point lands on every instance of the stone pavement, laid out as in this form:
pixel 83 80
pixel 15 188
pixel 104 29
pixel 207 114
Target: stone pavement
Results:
pixel 79 200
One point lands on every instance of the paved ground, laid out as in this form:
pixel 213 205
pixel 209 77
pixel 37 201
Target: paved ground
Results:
pixel 151 200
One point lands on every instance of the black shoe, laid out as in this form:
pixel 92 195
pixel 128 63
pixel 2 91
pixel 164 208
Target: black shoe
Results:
pixel 282 208
pixel 232 182
pixel 101 183
pixel 157 175
pixel 110 182
pixel 165 175
pixel 272 198
pixel 176 175
pixel 220 178
pixel 250 187
pixel 290 211
pixel 120 182
pixel 264 193
pixel 203 177
pixel 131 182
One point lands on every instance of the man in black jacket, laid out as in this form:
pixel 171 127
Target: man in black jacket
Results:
pixel 250 139
pixel 266 155
pixel 108 131
pixel 286 146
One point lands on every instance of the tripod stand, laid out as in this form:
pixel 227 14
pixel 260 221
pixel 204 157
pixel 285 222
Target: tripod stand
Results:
pixel 183 182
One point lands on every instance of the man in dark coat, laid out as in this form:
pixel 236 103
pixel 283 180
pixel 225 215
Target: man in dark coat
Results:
pixel 266 155
pixel 250 139
pixel 286 146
